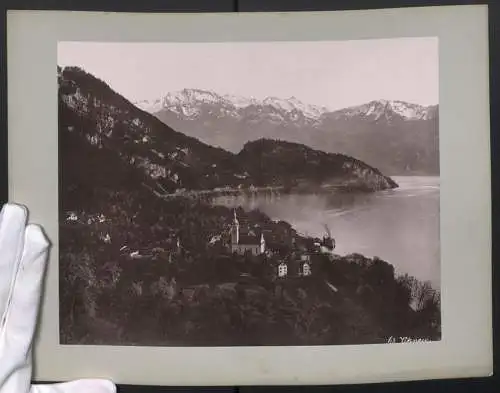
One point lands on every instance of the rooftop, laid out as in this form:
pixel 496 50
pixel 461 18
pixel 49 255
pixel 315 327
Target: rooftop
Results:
pixel 249 239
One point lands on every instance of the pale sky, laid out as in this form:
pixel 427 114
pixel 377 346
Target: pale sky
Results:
pixel 335 74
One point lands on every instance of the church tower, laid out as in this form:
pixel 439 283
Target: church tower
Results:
pixel 235 230
pixel 178 247
pixel 262 244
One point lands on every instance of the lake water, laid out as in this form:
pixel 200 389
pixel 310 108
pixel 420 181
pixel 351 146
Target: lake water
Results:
pixel 400 226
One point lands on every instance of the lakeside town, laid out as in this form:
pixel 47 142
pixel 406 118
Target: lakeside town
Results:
pixel 286 252
pixel 254 282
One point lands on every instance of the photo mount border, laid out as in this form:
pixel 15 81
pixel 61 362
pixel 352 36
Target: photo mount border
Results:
pixel 457 384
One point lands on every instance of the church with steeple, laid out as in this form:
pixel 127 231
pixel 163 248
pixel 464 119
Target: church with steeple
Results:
pixel 242 242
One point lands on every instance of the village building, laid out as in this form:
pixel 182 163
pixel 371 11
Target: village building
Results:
pixel 282 269
pixel 262 241
pixel 295 268
pixel 246 242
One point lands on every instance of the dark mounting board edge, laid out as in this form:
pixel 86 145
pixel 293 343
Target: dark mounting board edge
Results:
pixel 490 384
pixel 340 5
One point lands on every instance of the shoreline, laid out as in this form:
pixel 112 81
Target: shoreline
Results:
pixel 263 190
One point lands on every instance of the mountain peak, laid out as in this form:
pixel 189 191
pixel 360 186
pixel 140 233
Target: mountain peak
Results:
pixel 389 109
pixel 184 102
pixel 191 96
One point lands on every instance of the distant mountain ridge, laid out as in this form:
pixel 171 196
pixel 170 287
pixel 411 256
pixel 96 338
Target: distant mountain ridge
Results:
pixel 388 109
pixel 396 137
pixel 189 103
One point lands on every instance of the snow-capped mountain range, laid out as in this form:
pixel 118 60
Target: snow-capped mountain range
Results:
pixel 394 136
pixel 385 108
pixel 192 103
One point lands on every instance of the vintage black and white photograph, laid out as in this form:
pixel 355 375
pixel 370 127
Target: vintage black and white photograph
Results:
pixel 249 193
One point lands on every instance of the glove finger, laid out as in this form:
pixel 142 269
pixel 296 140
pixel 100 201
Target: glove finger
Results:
pixel 77 386
pixel 13 220
pixel 23 311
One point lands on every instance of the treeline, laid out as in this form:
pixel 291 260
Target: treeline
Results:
pixel 288 164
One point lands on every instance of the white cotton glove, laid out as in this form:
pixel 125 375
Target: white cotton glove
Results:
pixel 23 256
